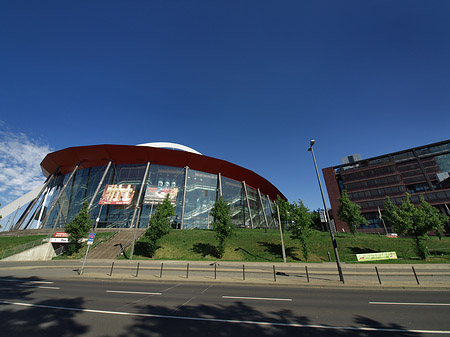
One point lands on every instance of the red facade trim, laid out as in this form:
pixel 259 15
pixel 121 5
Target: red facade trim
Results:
pixel 99 155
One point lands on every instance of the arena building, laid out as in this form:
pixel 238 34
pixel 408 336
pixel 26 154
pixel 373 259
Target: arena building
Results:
pixel 123 184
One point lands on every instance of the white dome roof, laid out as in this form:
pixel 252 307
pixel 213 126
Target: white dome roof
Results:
pixel 172 146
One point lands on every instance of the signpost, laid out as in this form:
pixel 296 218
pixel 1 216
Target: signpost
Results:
pixel 89 243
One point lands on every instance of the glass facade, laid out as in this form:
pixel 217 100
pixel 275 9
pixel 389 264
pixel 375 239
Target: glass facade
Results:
pixel 192 192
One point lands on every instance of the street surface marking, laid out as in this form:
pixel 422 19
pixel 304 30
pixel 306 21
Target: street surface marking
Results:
pixel 421 304
pixel 258 298
pixel 204 290
pixel 178 308
pixel 21 280
pixel 41 287
pixel 176 285
pixel 294 325
pixel 131 292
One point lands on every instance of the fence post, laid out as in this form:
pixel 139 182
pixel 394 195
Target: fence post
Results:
pixel 215 270
pixel 137 270
pixel 307 274
pixel 274 274
pixel 378 275
pixel 187 271
pixel 112 266
pixel 160 273
pixel 243 272
pixel 415 275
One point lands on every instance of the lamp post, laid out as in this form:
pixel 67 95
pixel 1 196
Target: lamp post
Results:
pixel 333 239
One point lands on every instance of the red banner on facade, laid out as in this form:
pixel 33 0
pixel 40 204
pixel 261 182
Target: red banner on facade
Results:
pixel 117 195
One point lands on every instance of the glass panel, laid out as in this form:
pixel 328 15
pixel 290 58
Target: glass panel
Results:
pixel 201 191
pixel 162 180
pixel 443 162
pixel 233 195
pixel 120 216
pixel 255 206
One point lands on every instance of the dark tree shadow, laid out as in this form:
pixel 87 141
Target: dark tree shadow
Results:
pixel 205 249
pixel 239 319
pixel 41 319
pixel 359 250
pixel 256 257
pixel 276 249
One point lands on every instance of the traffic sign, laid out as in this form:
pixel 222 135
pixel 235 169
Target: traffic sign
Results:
pixel 91 239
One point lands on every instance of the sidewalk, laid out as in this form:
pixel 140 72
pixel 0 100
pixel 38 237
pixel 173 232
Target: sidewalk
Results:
pixel 436 276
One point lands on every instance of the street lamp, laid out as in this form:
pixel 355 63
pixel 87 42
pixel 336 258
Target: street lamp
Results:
pixel 333 239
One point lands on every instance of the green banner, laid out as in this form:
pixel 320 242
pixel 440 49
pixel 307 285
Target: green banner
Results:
pixel 376 256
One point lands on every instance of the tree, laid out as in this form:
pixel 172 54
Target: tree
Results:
pixel 415 221
pixel 349 212
pixel 78 228
pixel 222 224
pixel 300 228
pixel 317 221
pixel 285 209
pixel 159 225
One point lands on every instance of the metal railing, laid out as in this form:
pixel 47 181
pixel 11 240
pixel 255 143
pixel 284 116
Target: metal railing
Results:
pixel 21 248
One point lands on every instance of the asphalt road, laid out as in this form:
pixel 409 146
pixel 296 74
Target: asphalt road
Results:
pixel 32 306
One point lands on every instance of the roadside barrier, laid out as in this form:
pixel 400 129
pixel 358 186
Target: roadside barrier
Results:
pixel 282 274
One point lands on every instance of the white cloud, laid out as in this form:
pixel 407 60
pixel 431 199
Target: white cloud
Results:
pixel 20 158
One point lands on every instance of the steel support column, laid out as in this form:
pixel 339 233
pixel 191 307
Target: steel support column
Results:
pixel 186 171
pixel 59 195
pixel 248 203
pixel 138 205
pixel 219 178
pixel 99 185
pixel 263 208
pixel 33 203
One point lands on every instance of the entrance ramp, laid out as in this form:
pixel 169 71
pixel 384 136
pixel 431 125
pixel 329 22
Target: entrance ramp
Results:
pixel 112 249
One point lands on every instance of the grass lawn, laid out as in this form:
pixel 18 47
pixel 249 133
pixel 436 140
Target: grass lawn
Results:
pixel 259 245
pixel 7 242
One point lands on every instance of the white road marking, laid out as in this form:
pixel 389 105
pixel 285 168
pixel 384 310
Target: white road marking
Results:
pixel 41 287
pixel 176 285
pixel 20 280
pixel 178 308
pixel 405 303
pixel 132 292
pixel 204 290
pixel 294 325
pixel 258 298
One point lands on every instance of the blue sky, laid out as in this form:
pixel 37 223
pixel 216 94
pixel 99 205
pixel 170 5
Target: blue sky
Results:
pixel 250 82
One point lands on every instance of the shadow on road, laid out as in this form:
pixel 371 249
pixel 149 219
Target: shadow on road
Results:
pixel 229 322
pixel 36 321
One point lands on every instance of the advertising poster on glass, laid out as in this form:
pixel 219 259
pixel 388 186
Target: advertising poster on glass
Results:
pixel 117 195
pixel 156 195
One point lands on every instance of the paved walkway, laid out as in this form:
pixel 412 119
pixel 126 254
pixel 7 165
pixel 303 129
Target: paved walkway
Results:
pixel 424 276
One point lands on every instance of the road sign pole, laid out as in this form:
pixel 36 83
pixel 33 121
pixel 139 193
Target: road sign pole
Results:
pixel 84 261
pixel 89 243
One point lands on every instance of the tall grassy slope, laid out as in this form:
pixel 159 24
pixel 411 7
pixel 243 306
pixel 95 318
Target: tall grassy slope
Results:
pixel 259 245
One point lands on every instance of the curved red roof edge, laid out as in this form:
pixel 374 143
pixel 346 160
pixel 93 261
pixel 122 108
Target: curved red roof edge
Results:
pixel 99 155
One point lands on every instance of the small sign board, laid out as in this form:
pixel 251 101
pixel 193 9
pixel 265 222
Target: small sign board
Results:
pixel 61 235
pixel 59 240
pixel 323 217
pixel 376 256
pixel 91 239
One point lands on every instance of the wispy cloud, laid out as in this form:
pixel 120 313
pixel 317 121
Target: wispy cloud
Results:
pixel 20 158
